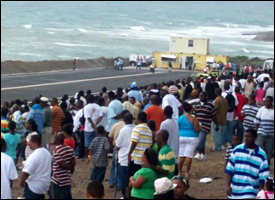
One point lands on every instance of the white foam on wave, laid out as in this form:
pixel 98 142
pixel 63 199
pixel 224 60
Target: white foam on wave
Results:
pixel 72 44
pixel 30 54
pixel 137 28
pixel 82 30
pixel 245 50
pixel 27 26
pixel 51 33
pixel 59 29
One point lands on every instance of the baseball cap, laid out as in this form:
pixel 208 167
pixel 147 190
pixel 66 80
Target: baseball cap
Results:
pixel 134 85
pixel 164 185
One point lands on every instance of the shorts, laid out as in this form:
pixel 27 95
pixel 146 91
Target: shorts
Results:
pixel 89 137
pixel 188 146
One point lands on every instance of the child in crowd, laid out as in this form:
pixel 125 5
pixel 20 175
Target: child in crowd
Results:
pixel 230 149
pixel 99 149
pixel 95 190
pixel 68 132
pixel 269 193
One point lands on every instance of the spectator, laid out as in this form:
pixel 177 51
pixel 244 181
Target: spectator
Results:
pixel 8 172
pixel 253 159
pixel 114 111
pixel 210 88
pixel 38 114
pixel 13 142
pixel 167 159
pixel 172 127
pixel 99 149
pixel 268 193
pixel 135 93
pixel 123 143
pixel 170 100
pixel 229 150
pixel 31 127
pixel 265 126
pixel 68 133
pixel 219 126
pixel 113 135
pixel 16 116
pixel 58 117
pixel 141 139
pixel 95 190
pixel 260 94
pixel 270 91
pixel 155 112
pixel 180 192
pixel 105 96
pixel 36 175
pixel 47 131
pixel 164 189
pixel 249 112
pixel 239 119
pixel 4 120
pixel 63 164
pixel 142 182
pixel 104 109
pixel 249 86
pixel 205 112
pixel 68 117
pixel 188 89
pixel 189 138
pixel 93 116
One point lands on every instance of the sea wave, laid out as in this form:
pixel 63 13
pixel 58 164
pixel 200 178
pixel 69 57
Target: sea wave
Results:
pixel 137 28
pixel 82 30
pixel 72 44
pixel 27 26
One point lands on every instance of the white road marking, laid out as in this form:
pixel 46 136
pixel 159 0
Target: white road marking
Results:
pixel 76 81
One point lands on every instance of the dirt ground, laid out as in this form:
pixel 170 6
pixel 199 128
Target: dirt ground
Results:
pixel 212 167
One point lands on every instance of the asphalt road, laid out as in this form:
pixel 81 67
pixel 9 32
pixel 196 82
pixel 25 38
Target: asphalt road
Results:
pixel 56 84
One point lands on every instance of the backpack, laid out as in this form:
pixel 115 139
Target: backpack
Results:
pixel 231 102
pixel 82 119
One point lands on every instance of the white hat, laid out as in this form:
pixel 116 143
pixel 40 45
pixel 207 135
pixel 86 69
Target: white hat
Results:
pixel 44 100
pixel 164 185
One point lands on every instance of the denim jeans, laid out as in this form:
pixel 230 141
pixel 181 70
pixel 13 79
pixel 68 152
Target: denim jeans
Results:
pixel 240 129
pixel 28 194
pixel 60 192
pixel 266 143
pixel 218 136
pixel 202 137
pixel 89 137
pixel 98 174
pixel 112 177
pixel 229 132
pixel 122 174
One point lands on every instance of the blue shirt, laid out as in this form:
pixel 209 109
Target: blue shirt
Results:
pixel 248 168
pixel 114 109
pixel 136 94
pixel 38 114
pixel 12 142
pixel 147 106
pixel 186 128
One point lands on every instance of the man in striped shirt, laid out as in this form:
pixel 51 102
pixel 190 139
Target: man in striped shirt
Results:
pixel 265 126
pixel 167 159
pixel 63 165
pixel 249 113
pixel 205 113
pixel 247 169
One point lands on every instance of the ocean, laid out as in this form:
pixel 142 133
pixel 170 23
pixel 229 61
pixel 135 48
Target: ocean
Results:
pixel 35 31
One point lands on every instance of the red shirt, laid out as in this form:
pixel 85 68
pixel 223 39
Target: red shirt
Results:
pixel 155 113
pixel 70 143
pixel 242 102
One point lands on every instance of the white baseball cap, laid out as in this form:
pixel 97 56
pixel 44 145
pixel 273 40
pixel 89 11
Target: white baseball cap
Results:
pixel 164 185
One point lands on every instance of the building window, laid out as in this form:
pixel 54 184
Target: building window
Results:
pixel 190 43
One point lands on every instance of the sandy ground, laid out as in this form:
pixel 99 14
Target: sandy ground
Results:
pixel 212 167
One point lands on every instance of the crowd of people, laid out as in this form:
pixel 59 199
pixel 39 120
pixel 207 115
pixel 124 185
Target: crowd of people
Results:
pixel 151 133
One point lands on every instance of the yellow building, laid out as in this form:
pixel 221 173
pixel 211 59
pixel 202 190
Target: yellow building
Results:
pixel 188 52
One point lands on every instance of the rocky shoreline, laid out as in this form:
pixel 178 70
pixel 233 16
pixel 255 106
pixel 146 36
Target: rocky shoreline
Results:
pixel 263 36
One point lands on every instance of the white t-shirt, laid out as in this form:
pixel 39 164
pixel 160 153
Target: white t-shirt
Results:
pixel 172 127
pixel 28 150
pixel 39 167
pixel 8 173
pixel 171 100
pixel 92 111
pixel 104 120
pixel 123 142
pixel 77 117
